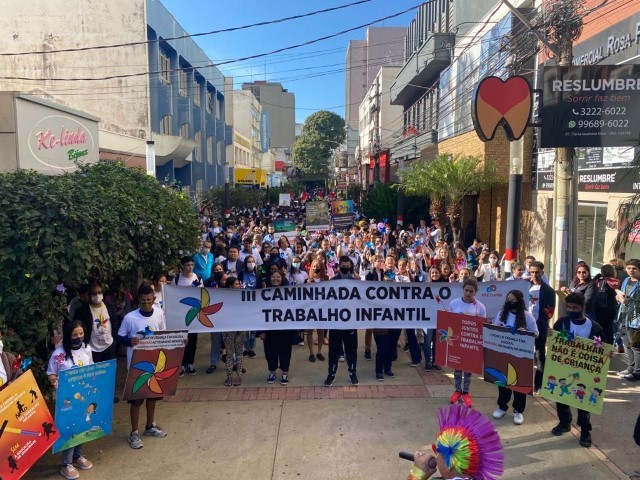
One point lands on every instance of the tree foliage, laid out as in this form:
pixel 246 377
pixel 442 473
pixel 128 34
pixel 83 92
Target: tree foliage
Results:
pixel 321 134
pixel 103 220
pixel 381 202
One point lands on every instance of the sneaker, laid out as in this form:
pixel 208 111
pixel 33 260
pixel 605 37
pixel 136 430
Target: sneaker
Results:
pixel 135 441
pixel 624 373
pixel 499 413
pixel 437 368
pixel 585 439
pixel 312 358
pixel 367 355
pixel 83 463
pixel 69 472
pixel 560 429
pixel 155 431
pixel 272 377
pixel 251 354
pixel 428 366
pixel 518 418
pixel 632 377
pixel 329 381
pixel 466 399
pixel 405 348
pixel 181 374
pixel 379 377
pixel 455 398
pixel 211 369
pixel 536 391
pixel 285 379
pixel 341 358
pixel 353 378
pixel 191 370
pixel 389 373
pixel 320 357
pixel 415 364
pixel 245 353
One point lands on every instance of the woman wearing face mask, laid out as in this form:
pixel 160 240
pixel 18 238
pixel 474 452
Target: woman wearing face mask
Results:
pixel 489 272
pixel 73 353
pixel 317 273
pixel 514 314
pixel 296 276
pixel 96 317
pixel 252 280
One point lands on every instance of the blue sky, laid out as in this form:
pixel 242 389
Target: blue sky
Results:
pixel 293 68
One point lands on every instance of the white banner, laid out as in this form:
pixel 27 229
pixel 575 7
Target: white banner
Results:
pixel 340 304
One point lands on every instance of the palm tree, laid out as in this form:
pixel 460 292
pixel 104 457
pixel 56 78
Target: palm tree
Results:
pixel 446 180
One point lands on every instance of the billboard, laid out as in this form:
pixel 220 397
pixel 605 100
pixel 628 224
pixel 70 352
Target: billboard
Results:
pixel 591 106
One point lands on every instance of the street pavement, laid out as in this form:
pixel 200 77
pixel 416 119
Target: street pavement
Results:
pixel 306 431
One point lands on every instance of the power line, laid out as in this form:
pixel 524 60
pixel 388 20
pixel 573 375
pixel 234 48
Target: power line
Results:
pixel 201 34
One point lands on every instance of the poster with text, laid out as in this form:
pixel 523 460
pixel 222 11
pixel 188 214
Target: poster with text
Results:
pixel 27 429
pixel 84 404
pixel 155 365
pixel 459 341
pixel 575 372
pixel 317 216
pixel 508 358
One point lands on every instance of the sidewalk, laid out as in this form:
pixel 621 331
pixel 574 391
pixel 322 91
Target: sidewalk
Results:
pixel 307 431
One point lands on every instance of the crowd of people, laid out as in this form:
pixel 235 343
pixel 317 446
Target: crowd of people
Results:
pixel 242 249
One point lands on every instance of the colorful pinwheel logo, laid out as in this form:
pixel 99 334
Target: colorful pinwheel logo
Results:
pixel 447 336
pixel 500 379
pixel 200 308
pixel 153 374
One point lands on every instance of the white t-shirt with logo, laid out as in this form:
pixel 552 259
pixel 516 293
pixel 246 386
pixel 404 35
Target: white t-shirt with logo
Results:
pixel 534 301
pixel 135 322
pixel 58 362
pixel 101 336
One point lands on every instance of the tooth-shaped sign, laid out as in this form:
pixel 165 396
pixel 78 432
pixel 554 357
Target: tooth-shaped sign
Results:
pixel 502 102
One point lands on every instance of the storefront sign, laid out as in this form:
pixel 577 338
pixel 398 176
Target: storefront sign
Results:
pixel 591 106
pixel 52 140
pixel 602 48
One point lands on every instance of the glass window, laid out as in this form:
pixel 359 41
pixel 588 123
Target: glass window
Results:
pixel 182 85
pixel 198 149
pixel 184 130
pixel 210 150
pixel 196 93
pixel 209 101
pixel 165 125
pixel 591 230
pixel 165 68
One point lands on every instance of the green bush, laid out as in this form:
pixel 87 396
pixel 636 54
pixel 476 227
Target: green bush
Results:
pixel 104 220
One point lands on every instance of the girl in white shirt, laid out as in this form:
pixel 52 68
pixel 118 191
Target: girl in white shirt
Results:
pixel 73 353
pixel 514 314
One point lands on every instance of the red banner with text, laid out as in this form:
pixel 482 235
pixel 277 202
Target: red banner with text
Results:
pixel 459 341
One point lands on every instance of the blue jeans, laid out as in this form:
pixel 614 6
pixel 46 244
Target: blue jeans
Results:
pixel 71 454
pixel 216 342
pixel 429 351
pixel 250 342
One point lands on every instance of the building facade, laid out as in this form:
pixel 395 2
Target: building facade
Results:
pixel 151 91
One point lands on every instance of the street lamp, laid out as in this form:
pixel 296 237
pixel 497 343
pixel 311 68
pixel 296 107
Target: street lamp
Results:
pixel 514 202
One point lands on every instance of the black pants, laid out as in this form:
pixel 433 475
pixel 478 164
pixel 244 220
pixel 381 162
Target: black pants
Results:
pixel 394 336
pixel 636 431
pixel 343 341
pixel 190 350
pixel 414 346
pixel 541 348
pixel 277 349
pixel 383 354
pixel 565 417
pixel 108 354
pixel 519 400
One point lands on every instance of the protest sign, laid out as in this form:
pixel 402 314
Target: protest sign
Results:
pixel 84 404
pixel 575 372
pixel 338 305
pixel 459 341
pixel 342 214
pixel 317 214
pixel 284 200
pixel 155 365
pixel 26 427
pixel 508 358
pixel 286 227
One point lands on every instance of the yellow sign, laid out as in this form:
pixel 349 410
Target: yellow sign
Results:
pixel 250 176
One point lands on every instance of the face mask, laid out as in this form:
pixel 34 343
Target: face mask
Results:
pixel 229 235
pixel 388 231
pixel 317 270
pixel 77 342
pixel 511 305
pixel 295 265
pixel 274 255
pixel 217 275
pixel 96 298
pixel 251 266
pixel 493 261
pixel 574 315
pixel 345 270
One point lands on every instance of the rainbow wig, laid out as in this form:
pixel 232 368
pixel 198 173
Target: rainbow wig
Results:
pixel 469 443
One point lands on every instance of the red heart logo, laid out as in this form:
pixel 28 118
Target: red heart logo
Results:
pixel 499 102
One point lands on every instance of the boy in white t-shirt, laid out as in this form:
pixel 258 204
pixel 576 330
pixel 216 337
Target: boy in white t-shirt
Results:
pixel 138 320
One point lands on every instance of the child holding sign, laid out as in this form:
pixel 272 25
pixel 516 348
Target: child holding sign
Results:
pixel 575 323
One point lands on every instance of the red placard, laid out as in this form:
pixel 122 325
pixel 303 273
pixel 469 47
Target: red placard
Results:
pixel 459 341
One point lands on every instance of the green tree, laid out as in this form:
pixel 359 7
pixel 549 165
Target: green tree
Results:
pixel 103 220
pixel 321 134
pixel 446 180
pixel 381 202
